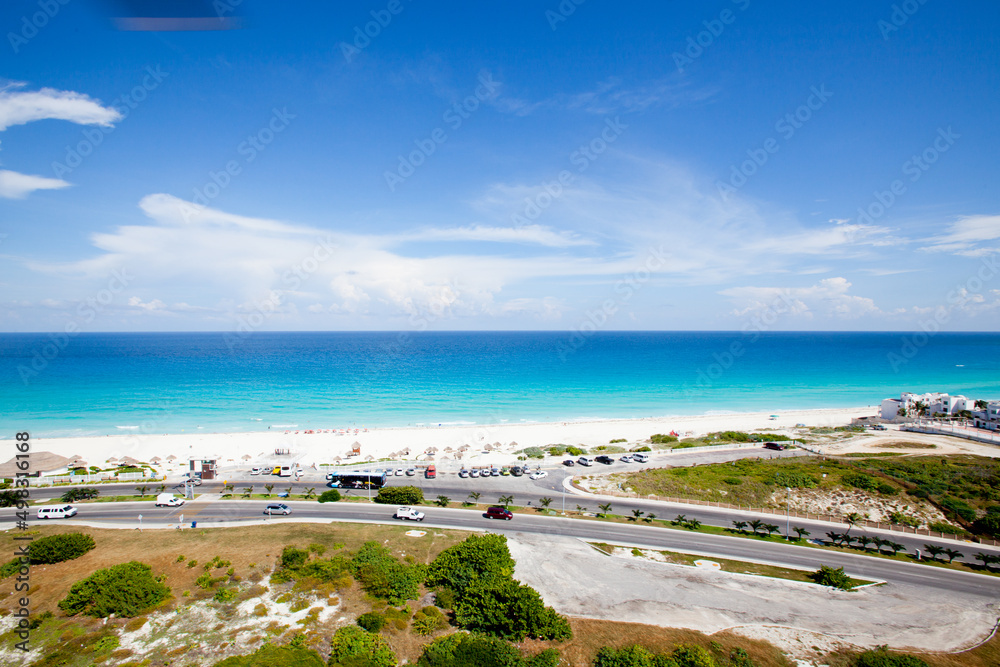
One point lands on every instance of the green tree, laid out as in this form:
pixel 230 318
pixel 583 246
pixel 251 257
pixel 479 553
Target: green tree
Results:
pixel 128 589
pixel 329 496
pixel 934 550
pixel 988 525
pixel 952 554
pixel 474 497
pixel 755 525
pixel 382 575
pixel 851 520
pixel 801 532
pixel 896 547
pixel 142 490
pixel 985 559
pixel 352 646
pixel 442 501
pixel 545 502
pixel 269 488
pixel 61 547
pixel 692 524
pixel 771 529
pixel 478 557
pixel 227 489
pixel 371 621
pixel 605 509
pixel 740 526
pixel 400 495
pixel 506 500
pixel 636 514
pixel 247 491
pixel 649 518
pixel 505 608
pixel 309 492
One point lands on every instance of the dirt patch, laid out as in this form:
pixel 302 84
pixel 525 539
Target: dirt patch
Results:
pixel 869 506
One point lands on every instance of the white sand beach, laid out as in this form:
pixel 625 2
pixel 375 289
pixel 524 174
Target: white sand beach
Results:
pixel 409 443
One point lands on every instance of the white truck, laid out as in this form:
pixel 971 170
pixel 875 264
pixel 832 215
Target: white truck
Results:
pixel 168 500
pixel 408 513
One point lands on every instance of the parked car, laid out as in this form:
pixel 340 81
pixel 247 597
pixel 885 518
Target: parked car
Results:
pixel 516 471
pixel 605 459
pixel 277 508
pixel 61 512
pixel 626 459
pixel 463 473
pixel 584 461
pixel 499 513
pixel 538 474
pixel 878 427
pixel 569 463
pixel 410 472
pixel 640 458
pixel 474 472
pixel 408 513
pixel 505 471
pixel 256 471
pixel 495 472
pixel 399 471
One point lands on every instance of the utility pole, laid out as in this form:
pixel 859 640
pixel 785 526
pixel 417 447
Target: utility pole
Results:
pixel 788 493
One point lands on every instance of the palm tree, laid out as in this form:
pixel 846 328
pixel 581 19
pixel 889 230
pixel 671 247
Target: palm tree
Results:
pixel 142 490
pixel 801 532
pixel 310 491
pixel 475 496
pixel 986 559
pixel 934 550
pixel 581 509
pixel 681 518
pixel 693 524
pixel 161 488
pixel 605 508
pixel 289 491
pixel 247 492
pixel 771 529
pixel 952 554
pixel 756 525
pixel 636 514
pixel 895 546
pixel 505 500
pixel 864 541
pixel 649 518
pixel 269 487
pixel 545 502
pixel 443 501
pixel 878 542
pixel 851 519
pixel 227 489
pixel 740 526
pixel 835 538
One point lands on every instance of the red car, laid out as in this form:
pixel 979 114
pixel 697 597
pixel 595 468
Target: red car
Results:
pixel 499 513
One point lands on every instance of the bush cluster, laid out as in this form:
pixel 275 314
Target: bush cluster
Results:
pixel 881 657
pixel 685 655
pixel 352 646
pixel 331 496
pixel 462 649
pixel 295 563
pixel 833 577
pixel 400 495
pixel 487 598
pixel 270 655
pixel 382 575
pixel 128 589
pixel 661 439
pixel 371 621
pixel 52 549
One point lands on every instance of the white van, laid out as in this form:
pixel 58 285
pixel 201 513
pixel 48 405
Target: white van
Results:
pixel 168 500
pixel 286 471
pixel 584 461
pixel 640 458
pixel 56 512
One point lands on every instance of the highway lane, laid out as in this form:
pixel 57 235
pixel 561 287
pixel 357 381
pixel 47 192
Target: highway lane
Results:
pixel 219 512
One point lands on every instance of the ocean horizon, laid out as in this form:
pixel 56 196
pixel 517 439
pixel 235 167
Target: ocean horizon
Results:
pixel 108 383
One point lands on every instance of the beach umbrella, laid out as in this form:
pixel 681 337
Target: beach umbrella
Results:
pixel 497 444
pixel 463 448
pixel 337 458
pixel 247 457
pixel 512 445
pixel 113 460
pixel 171 458
pixel 448 449
pixel 128 460
pixel 488 447
pixel 155 459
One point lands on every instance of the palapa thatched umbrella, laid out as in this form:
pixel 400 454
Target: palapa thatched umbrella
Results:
pixel 449 449
pixel 113 460
pixel 464 448
pixel 247 457
pixel 128 460
pixel 488 447
pixel 513 445
pixel 497 445
pixel 171 458
pixel 156 459
pixel 337 459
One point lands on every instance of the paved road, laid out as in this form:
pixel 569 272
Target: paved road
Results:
pixel 222 512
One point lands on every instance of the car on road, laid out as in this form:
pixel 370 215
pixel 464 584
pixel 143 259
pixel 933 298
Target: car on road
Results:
pixel 408 513
pixel 640 458
pixel 626 459
pixel 775 445
pixel 61 512
pixel 605 459
pixel 277 508
pixel 538 474
pixel 569 463
pixel 410 472
pixel 256 471
pixel 499 513
pixel 190 480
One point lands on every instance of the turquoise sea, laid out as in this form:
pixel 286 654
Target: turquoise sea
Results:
pixel 173 382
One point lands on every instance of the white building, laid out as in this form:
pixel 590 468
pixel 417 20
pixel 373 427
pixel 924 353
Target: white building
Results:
pixel 990 417
pixel 935 402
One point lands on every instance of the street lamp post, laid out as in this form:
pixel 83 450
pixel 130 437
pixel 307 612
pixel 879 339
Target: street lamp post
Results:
pixel 788 493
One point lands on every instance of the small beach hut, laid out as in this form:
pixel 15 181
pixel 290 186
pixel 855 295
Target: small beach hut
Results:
pixel 356 448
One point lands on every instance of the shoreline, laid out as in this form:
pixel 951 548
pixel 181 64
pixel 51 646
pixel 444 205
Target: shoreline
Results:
pixel 411 442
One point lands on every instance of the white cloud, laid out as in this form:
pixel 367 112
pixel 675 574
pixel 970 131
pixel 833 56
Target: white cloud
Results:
pixel 965 234
pixel 828 297
pixel 527 234
pixel 18 186
pixel 18 107
pixel 611 96
pixel 148 306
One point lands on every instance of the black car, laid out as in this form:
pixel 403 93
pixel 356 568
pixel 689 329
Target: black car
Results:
pixel 516 471
pixel 774 445
pixel 569 463
pixel 607 460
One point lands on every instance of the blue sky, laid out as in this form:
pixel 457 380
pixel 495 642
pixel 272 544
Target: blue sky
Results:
pixel 716 165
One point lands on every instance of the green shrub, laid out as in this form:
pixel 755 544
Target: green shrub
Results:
pixel 193 563
pixel 988 525
pixel 861 481
pixel 685 655
pixel 372 621
pixel 225 595
pixel 59 548
pixel 734 481
pixel 617 440
pixel 331 496
pixel 292 558
pixel 881 657
pixel 205 581
pixel 382 575
pixel 128 589
pixel 444 598
pixel 945 527
pixel 575 451
pixel 534 453
pixel 661 439
pixel 954 505
pixel 508 609
pixel 886 489
pixel 478 557
pixel 400 495
pixel 643 448
pixel 270 655
pixel 835 578
pixel 429 620
pixel 556 450
pixel 353 647
pixel 462 649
